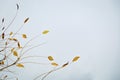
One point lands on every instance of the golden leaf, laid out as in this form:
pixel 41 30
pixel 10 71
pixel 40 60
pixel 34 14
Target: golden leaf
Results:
pixel 45 31
pixel 15 53
pixel 75 58
pixel 20 65
pixel 50 58
pixel 26 20
pixel 11 33
pixel 24 36
pixel 54 64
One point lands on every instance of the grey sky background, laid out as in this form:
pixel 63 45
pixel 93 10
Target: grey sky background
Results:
pixel 89 28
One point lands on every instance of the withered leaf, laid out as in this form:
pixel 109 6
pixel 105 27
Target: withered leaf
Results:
pixel 50 58
pixel 17 6
pixel 11 33
pixel 15 53
pixel 54 64
pixel 20 65
pixel 75 58
pixel 24 35
pixel 14 39
pixel 3 20
pixel 19 45
pixel 65 64
pixel 26 20
pixel 2 63
pixel 3 35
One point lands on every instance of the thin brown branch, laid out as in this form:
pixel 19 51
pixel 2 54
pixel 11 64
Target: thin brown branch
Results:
pixel 10 65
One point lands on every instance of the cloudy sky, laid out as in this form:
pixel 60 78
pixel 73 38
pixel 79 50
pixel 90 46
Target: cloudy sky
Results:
pixel 89 28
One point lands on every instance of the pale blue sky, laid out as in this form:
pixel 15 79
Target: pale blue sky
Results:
pixel 89 28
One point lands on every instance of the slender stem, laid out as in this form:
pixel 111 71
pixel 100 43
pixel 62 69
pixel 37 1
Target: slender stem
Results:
pixel 29 48
pixel 47 73
pixel 32 57
pixel 18 30
pixel 36 63
pixel 12 21
pixel 10 64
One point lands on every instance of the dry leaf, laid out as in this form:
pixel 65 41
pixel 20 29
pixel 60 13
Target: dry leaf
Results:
pixel 26 20
pixel 17 6
pixel 50 58
pixel 20 65
pixel 54 64
pixel 65 64
pixel 2 63
pixel 14 39
pixel 15 53
pixel 3 20
pixel 11 33
pixel 3 35
pixel 19 45
pixel 45 31
pixel 24 36
pixel 75 58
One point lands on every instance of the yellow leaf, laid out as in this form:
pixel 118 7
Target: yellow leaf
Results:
pixel 20 65
pixel 24 36
pixel 75 58
pixel 26 20
pixel 15 53
pixel 45 32
pixel 11 33
pixel 54 64
pixel 50 58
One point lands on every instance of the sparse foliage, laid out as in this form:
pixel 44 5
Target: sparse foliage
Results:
pixel 12 53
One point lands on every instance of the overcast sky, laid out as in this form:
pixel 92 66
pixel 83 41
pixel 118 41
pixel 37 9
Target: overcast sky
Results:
pixel 89 28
